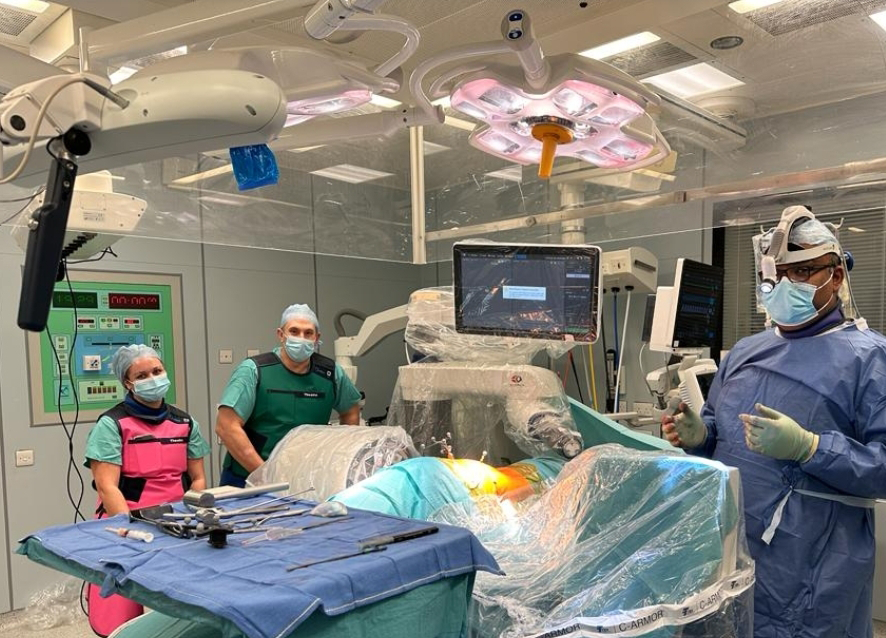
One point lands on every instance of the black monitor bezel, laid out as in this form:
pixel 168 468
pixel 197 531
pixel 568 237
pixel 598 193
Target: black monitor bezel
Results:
pixel 594 253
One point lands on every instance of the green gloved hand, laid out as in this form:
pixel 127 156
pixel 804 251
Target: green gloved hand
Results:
pixel 777 435
pixel 685 428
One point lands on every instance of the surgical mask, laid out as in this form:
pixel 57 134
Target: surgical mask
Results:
pixel 299 349
pixel 791 304
pixel 151 389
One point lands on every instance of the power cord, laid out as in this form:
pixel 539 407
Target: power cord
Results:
pixel 28 200
pixel 72 467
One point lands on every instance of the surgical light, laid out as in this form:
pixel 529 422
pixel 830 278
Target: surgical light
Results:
pixel 567 104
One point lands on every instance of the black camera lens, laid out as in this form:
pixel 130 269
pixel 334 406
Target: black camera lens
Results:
pixel 515 34
pixel 515 16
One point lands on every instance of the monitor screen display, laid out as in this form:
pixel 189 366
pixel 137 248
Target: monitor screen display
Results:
pixel 699 310
pixel 522 290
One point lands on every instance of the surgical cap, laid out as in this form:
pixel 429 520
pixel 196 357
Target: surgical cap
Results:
pixel 809 232
pixel 125 356
pixel 299 311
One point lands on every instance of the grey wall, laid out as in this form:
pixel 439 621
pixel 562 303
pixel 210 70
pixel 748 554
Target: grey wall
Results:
pixel 232 299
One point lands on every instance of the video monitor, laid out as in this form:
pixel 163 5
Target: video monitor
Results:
pixel 689 314
pixel 540 291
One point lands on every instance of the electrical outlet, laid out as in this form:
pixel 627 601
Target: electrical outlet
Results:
pixel 642 408
pixel 226 356
pixel 24 458
pixel 92 362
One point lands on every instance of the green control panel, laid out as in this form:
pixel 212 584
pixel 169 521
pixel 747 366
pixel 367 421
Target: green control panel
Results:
pixel 70 361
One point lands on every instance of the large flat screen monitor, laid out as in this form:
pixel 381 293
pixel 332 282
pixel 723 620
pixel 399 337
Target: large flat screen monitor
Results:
pixel 541 291
pixel 689 315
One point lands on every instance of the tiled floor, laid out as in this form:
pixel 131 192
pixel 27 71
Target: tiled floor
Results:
pixel 12 626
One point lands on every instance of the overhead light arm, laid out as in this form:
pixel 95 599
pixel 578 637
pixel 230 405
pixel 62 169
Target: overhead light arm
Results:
pixel 516 28
pixel 416 80
pixel 341 129
pixel 387 23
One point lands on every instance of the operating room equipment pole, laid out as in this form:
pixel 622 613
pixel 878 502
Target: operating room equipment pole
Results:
pixel 417 184
pixel 624 338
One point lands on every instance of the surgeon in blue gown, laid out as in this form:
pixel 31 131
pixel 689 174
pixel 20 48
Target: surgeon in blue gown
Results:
pixel 800 409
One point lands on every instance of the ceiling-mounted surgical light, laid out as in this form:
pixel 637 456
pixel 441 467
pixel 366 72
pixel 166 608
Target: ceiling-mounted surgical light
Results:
pixel 567 104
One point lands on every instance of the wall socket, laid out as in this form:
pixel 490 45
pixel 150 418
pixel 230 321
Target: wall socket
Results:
pixel 24 458
pixel 226 356
pixel 643 409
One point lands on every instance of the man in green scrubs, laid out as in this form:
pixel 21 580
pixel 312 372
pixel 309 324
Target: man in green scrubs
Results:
pixel 271 393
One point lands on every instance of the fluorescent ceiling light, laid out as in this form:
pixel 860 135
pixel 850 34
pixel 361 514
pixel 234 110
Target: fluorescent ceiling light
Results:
pixel 512 173
pixel 199 177
pixel 350 173
pixel 744 6
pixel 620 46
pixel 880 19
pixel 855 229
pixel 694 80
pixel 34 6
pixel 430 148
pixel 305 149
pixel 121 74
pixel 384 102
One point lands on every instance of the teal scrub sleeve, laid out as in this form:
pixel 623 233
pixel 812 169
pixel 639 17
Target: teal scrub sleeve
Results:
pixel 197 445
pixel 348 395
pixel 239 394
pixel 103 442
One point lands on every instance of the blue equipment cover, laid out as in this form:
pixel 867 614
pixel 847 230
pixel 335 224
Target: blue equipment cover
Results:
pixel 249 585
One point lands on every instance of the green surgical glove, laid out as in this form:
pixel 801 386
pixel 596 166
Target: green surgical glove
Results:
pixel 685 428
pixel 777 435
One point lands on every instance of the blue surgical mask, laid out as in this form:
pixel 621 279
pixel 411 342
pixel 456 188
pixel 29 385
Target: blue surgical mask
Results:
pixel 791 304
pixel 299 349
pixel 151 389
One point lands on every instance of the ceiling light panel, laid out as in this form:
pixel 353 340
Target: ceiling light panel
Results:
pixel 34 6
pixel 694 80
pixel 746 6
pixel 880 19
pixel 431 147
pixel 350 173
pixel 621 45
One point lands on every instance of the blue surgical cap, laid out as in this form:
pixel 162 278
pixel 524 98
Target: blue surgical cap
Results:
pixel 299 311
pixel 124 357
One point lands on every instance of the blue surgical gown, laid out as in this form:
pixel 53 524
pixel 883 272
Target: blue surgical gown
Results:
pixel 815 578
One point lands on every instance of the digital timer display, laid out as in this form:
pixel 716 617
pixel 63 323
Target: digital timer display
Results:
pixel 79 300
pixel 133 301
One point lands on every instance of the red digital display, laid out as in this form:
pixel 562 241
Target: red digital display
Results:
pixel 133 301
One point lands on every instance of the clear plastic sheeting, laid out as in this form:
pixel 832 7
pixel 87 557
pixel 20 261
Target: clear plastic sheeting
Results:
pixel 55 606
pixel 624 543
pixel 430 332
pixel 497 412
pixel 476 396
pixel 330 458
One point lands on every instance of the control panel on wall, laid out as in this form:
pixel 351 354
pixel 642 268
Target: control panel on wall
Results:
pixel 70 361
